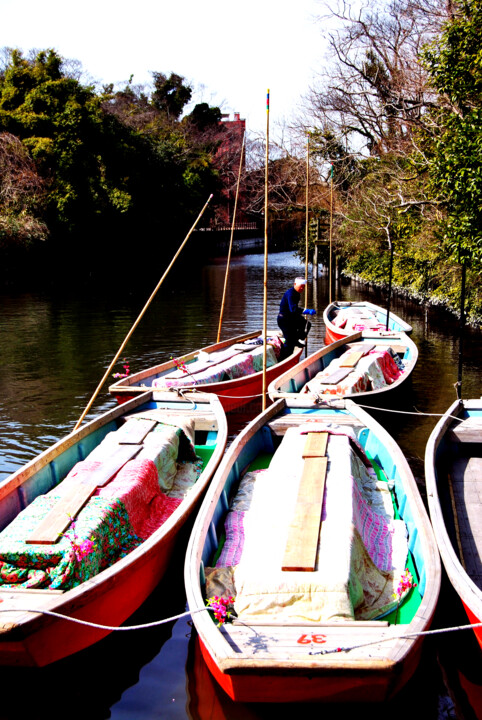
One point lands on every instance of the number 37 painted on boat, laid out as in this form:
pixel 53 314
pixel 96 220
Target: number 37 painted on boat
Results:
pixel 307 639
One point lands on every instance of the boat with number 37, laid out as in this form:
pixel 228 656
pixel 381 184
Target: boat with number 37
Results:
pixel 315 557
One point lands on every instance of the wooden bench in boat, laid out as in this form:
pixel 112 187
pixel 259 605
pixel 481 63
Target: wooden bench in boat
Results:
pixel 352 359
pixel 467 431
pixel 66 509
pixel 130 437
pixel 215 358
pixel 303 533
pixel 280 425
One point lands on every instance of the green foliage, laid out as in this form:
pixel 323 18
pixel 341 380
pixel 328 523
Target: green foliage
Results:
pixel 113 165
pixel 170 94
pixel 455 65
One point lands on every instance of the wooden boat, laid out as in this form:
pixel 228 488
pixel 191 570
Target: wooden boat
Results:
pixel 276 649
pixel 123 537
pixel 344 318
pixel 453 475
pixel 226 368
pixel 363 367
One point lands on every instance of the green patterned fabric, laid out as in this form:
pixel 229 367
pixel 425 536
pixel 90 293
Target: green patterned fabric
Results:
pixel 100 535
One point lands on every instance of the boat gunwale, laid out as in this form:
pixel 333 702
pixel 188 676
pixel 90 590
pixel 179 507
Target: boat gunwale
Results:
pixel 74 599
pixel 468 591
pixel 275 393
pixel 216 644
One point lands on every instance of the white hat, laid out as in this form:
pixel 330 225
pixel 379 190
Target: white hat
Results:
pixel 300 281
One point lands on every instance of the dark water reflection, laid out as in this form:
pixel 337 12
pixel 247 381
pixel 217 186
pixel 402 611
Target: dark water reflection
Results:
pixel 54 349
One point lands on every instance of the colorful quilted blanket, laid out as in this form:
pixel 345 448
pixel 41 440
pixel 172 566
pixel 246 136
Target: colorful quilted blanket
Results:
pixel 375 370
pixel 120 515
pixel 362 549
pixel 231 366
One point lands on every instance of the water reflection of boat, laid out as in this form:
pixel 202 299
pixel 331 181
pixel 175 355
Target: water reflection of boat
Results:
pixel 320 614
pixel 232 369
pixel 90 525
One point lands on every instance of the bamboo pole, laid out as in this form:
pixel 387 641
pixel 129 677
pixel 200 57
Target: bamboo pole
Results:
pixel 126 339
pixel 306 219
pixel 331 234
pixel 307 229
pixel 231 240
pixel 461 330
pixel 265 280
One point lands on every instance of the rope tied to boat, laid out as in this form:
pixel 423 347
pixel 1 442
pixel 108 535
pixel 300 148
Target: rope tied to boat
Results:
pixel 404 636
pixel 332 403
pixel 157 623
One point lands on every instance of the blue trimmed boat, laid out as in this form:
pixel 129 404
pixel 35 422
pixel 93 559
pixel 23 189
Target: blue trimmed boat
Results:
pixel 453 475
pixel 342 638
pixel 77 541
pixel 362 367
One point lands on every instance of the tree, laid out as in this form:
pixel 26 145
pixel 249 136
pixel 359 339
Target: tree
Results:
pixel 454 137
pixel 170 94
pixel 22 195
pixel 375 91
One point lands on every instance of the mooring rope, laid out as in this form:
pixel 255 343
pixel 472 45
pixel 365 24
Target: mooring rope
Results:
pixel 405 636
pixel 111 628
pixel 157 623
pixel 382 409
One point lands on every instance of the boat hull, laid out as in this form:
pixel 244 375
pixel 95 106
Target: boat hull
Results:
pixel 232 394
pixel 311 685
pixel 334 333
pixel 109 598
pixel 314 662
pixel 454 514
pixel 290 384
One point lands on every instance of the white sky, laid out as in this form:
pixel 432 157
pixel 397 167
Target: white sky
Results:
pixel 231 52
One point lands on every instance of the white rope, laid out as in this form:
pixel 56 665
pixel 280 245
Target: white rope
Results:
pixel 382 409
pixel 230 397
pixel 157 623
pixel 405 636
pixel 111 628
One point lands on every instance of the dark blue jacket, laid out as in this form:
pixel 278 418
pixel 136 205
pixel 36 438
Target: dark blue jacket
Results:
pixel 288 307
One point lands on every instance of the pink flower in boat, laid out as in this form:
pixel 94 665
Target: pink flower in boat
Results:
pixel 220 607
pixel 406 582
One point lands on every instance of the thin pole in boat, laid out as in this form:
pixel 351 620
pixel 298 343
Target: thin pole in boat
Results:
pixel 461 330
pixel 231 240
pixel 307 228
pixel 265 280
pixel 390 276
pixel 331 234
pixel 124 343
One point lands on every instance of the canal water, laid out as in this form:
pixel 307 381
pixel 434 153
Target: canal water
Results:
pixel 54 350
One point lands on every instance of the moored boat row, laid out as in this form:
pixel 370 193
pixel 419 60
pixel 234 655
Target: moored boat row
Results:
pixel 374 598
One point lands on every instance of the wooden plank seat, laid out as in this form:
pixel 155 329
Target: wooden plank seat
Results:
pixel 198 366
pixel 353 357
pixel 337 376
pixel 303 533
pixel 134 431
pixel 467 431
pixel 50 529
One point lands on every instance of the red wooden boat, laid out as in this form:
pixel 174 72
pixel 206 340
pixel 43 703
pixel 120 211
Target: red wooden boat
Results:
pixel 344 318
pixel 291 640
pixel 33 631
pixel 453 472
pixel 227 368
